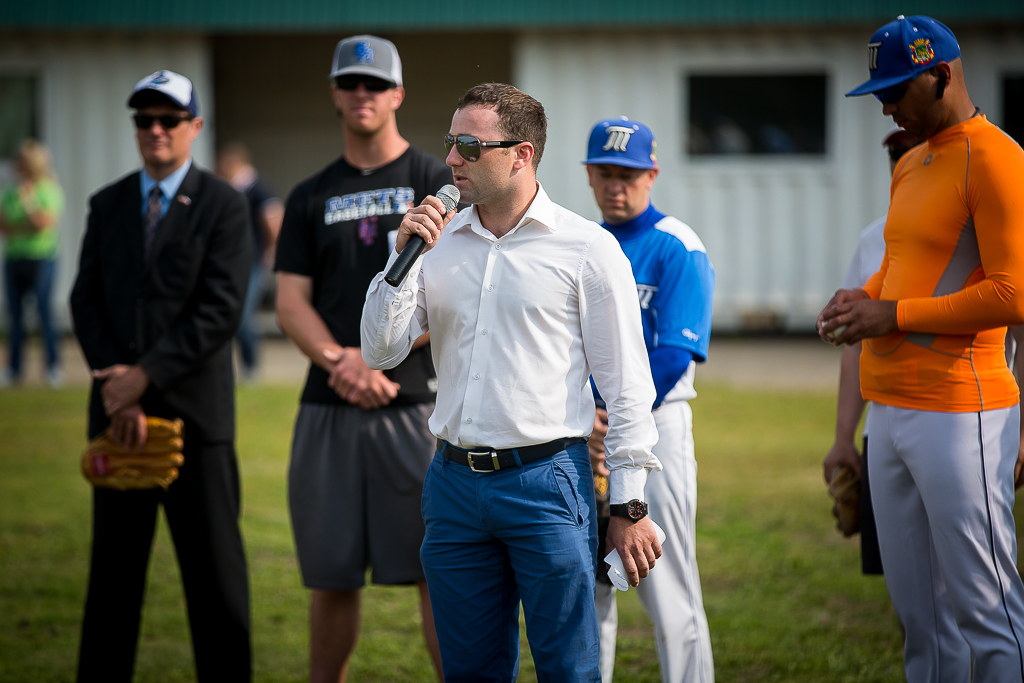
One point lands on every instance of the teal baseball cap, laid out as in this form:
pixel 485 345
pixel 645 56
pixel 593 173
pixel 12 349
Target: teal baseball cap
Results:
pixel 622 142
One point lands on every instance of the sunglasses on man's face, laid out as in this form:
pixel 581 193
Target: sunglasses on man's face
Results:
pixel 468 146
pixel 894 93
pixel 168 122
pixel 371 83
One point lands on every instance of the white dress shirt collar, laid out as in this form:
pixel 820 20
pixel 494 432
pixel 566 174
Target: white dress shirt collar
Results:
pixel 541 210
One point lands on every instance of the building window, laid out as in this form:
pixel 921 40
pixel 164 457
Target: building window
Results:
pixel 1013 107
pixel 756 115
pixel 18 113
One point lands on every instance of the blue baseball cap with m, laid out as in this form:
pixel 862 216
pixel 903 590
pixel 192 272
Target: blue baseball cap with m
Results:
pixel 902 49
pixel 622 142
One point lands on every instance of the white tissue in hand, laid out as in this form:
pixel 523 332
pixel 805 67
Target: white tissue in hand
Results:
pixel 836 332
pixel 617 573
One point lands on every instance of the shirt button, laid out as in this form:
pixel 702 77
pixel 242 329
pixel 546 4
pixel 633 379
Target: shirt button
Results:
pixel 469 420
pixel 490 288
pixel 131 345
pixel 497 246
pixel 484 332
pixel 387 317
pixel 476 376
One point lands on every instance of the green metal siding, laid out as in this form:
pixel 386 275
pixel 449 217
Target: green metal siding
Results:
pixel 413 15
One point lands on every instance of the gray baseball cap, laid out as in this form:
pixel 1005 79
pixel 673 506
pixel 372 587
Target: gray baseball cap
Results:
pixel 368 56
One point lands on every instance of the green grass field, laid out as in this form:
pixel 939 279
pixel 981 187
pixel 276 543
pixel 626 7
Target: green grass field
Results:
pixel 784 595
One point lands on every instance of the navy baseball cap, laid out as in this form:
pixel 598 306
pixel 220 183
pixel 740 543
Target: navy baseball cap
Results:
pixel 622 142
pixel 165 85
pixel 902 49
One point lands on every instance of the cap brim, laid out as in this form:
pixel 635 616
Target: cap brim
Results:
pixel 139 97
pixel 620 161
pixel 872 86
pixel 364 71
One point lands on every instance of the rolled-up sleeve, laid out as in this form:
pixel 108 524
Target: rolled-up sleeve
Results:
pixel 393 317
pixel 614 343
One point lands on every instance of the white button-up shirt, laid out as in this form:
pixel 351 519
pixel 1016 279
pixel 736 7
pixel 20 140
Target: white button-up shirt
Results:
pixel 518 325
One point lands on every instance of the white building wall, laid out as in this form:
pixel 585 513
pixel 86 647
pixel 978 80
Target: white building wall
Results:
pixel 84 84
pixel 779 231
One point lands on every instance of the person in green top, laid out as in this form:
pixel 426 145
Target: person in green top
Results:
pixel 29 212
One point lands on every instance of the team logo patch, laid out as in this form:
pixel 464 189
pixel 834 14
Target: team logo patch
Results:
pixel 618 138
pixel 691 335
pixel 921 51
pixel 368 230
pixel 160 79
pixel 873 55
pixel 363 52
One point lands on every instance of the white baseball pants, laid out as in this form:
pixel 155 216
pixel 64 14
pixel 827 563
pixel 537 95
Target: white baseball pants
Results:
pixel 942 488
pixel 671 593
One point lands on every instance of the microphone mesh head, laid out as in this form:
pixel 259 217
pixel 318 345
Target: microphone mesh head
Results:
pixel 449 196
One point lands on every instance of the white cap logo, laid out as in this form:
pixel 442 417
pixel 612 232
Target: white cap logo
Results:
pixel 618 138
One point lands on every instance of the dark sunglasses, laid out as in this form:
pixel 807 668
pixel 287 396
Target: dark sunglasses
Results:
pixel 145 121
pixel 371 83
pixel 468 146
pixel 894 93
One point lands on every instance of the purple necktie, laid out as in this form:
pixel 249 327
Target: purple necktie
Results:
pixel 151 221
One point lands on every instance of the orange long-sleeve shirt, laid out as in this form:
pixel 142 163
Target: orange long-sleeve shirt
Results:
pixel 954 260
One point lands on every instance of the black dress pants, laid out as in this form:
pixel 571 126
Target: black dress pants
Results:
pixel 202 509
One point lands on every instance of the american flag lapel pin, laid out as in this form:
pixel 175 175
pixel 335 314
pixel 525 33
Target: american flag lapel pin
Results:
pixel 184 201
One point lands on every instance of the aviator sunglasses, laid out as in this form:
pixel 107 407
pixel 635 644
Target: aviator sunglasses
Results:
pixel 468 146
pixel 167 122
pixel 371 83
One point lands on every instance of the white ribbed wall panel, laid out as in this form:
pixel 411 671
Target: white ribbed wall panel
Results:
pixel 780 231
pixel 84 83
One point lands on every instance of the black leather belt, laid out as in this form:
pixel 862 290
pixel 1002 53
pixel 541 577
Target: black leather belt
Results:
pixel 484 459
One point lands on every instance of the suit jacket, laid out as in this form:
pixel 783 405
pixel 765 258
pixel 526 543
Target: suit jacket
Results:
pixel 175 312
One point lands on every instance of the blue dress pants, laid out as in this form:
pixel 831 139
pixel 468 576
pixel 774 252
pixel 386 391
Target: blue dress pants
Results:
pixel 494 539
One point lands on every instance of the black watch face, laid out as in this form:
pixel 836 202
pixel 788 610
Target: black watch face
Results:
pixel 636 509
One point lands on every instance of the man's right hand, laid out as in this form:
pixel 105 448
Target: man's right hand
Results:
pixel 128 427
pixel 637 544
pixel 427 220
pixel 841 453
pixel 356 383
pixel 596 443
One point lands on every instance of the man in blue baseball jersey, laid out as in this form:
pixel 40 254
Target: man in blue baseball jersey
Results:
pixel 675 282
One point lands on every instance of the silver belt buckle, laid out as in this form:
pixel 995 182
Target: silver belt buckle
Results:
pixel 494 460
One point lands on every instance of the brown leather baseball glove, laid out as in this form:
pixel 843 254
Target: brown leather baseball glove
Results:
pixel 845 491
pixel 108 465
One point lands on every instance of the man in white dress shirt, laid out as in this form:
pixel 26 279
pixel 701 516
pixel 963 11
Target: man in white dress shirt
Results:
pixel 524 301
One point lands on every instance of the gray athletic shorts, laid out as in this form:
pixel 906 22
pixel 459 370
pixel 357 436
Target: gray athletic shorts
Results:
pixel 354 486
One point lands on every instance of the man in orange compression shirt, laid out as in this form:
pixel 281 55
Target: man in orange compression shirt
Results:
pixel 945 413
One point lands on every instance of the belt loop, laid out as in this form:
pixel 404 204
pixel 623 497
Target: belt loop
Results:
pixel 515 454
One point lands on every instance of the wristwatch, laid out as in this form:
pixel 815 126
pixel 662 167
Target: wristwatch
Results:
pixel 634 510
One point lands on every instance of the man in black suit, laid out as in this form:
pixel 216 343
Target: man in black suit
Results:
pixel 163 274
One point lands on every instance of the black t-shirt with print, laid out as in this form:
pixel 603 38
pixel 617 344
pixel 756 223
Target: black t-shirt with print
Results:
pixel 335 231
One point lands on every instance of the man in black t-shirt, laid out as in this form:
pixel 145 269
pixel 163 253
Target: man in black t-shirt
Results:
pixel 362 445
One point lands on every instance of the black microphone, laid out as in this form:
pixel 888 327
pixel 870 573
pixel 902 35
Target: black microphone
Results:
pixel 449 196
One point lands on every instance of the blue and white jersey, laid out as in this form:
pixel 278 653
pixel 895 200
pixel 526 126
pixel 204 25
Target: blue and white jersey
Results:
pixel 675 282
